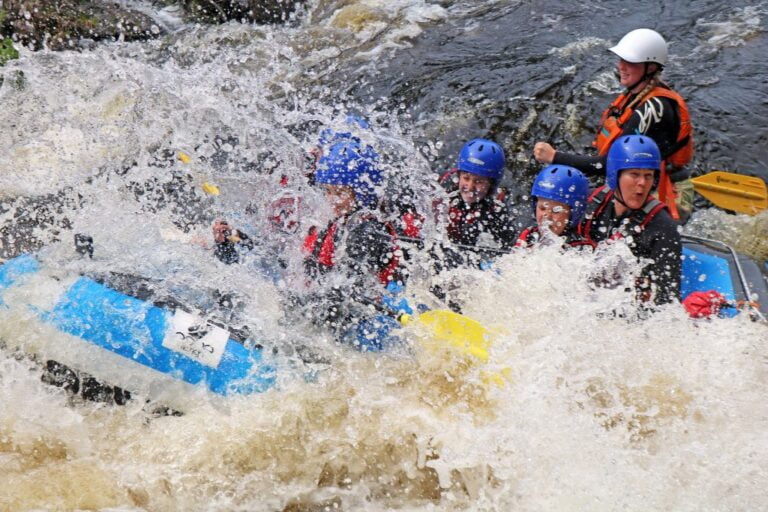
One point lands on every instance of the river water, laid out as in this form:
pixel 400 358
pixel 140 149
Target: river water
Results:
pixel 595 412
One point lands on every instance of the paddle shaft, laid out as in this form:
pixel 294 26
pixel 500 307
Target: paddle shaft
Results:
pixel 381 308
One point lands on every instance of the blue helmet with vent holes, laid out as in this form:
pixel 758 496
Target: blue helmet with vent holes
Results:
pixel 351 163
pixel 631 152
pixel 482 157
pixel 563 184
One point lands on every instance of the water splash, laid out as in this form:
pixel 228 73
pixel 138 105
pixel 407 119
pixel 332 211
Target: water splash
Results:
pixel 593 402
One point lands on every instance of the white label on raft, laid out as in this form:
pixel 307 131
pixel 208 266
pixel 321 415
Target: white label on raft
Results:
pixel 196 339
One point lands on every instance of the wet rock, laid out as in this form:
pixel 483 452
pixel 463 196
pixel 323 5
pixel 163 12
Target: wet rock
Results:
pixel 257 11
pixel 76 23
pixel 216 11
pixel 62 24
pixel 273 11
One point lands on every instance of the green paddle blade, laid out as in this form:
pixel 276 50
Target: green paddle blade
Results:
pixel 736 192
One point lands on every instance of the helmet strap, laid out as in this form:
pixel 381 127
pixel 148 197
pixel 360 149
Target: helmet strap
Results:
pixel 647 76
pixel 618 197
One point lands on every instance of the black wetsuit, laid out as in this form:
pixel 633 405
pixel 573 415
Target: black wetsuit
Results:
pixel 468 223
pixel 351 276
pixel 658 241
pixel 362 249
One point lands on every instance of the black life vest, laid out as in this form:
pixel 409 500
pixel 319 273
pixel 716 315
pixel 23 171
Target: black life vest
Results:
pixel 321 245
pixel 461 215
pixel 530 236
pixel 600 198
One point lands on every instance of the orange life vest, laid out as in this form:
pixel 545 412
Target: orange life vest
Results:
pixel 612 124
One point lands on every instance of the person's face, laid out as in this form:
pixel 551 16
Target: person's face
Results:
pixel 630 73
pixel 635 185
pixel 341 197
pixel 552 215
pixel 473 188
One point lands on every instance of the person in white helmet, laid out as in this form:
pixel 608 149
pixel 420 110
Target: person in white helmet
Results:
pixel 648 106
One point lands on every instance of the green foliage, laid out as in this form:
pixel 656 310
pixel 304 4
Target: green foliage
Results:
pixel 7 51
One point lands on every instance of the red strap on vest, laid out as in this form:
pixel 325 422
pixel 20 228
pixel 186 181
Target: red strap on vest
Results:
pixel 323 252
pixel 412 228
pixel 584 228
pixel 310 239
pixel 413 223
pixel 522 240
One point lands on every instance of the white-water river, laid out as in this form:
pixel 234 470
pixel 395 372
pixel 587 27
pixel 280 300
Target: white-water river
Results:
pixel 596 413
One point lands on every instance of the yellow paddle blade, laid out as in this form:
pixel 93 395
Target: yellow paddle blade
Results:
pixel 461 332
pixel 211 189
pixel 736 192
pixel 185 158
pixel 498 379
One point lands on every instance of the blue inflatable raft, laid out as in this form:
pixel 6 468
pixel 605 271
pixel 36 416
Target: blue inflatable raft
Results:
pixel 149 344
pixel 713 265
pixel 139 345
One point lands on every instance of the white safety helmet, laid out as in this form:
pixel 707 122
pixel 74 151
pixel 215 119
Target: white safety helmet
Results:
pixel 642 45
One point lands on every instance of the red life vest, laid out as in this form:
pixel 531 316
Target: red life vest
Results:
pixel 601 198
pixel 612 124
pixel 529 236
pixel 323 249
pixel 323 252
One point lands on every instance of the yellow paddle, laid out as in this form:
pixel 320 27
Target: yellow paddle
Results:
pixel 736 192
pixel 459 331
pixel 443 327
pixel 466 336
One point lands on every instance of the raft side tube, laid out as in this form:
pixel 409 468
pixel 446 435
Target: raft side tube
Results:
pixel 714 265
pixel 194 351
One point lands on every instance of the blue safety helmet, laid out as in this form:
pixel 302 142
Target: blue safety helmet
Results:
pixel 563 184
pixel 349 162
pixel 631 152
pixel 355 123
pixel 482 157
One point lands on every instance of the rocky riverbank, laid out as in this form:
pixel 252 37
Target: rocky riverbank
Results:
pixel 66 24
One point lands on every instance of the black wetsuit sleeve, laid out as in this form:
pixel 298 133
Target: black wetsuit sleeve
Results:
pixel 665 249
pixel 591 165
pixel 229 252
pixel 503 227
pixel 369 247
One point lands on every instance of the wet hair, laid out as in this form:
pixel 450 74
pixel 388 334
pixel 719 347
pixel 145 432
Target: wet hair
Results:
pixel 654 80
